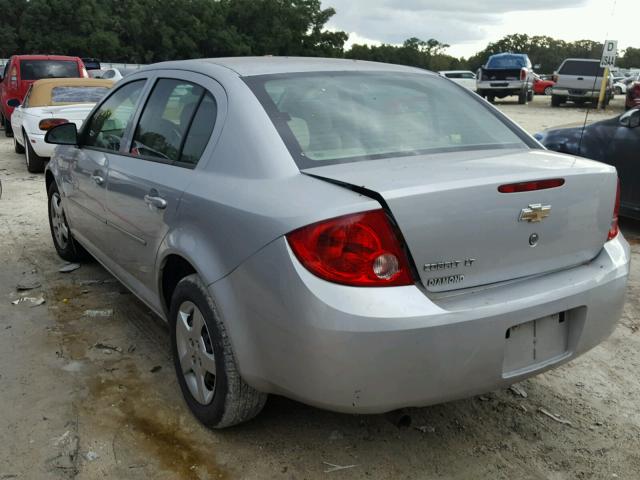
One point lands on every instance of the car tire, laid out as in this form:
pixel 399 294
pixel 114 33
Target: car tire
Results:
pixel 556 100
pixel 530 96
pixel 17 147
pixel 617 91
pixel 548 90
pixel 35 163
pixel 491 98
pixel 522 98
pixel 66 246
pixel 221 398
pixel 8 132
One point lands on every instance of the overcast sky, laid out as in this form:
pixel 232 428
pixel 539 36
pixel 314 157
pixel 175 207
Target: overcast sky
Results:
pixel 468 26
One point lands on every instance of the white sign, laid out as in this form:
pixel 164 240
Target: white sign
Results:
pixel 609 54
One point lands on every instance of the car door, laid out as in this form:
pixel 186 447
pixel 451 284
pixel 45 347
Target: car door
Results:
pixel 87 164
pixel 623 154
pixel 145 185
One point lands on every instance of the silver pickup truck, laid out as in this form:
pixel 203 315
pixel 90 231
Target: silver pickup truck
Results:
pixel 506 74
pixel 578 80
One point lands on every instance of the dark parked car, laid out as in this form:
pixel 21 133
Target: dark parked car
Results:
pixel 615 141
pixel 633 96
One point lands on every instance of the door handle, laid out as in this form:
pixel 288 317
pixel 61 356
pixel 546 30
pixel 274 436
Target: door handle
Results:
pixel 98 179
pixel 155 201
pixel 580 78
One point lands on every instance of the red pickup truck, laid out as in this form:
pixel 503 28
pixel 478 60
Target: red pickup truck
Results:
pixel 22 70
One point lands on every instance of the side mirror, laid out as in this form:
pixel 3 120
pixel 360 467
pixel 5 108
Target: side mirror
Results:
pixel 65 134
pixel 13 102
pixel 630 119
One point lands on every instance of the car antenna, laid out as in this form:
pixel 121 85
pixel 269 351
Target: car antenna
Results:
pixel 595 81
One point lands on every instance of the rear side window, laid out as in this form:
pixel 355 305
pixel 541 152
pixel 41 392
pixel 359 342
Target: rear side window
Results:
pixel 161 133
pixel 586 69
pixel 77 94
pixel 106 127
pixel 200 131
pixel 37 69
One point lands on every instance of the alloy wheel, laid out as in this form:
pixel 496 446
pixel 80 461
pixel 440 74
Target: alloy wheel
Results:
pixel 195 352
pixel 58 221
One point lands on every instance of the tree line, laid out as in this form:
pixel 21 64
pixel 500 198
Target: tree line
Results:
pixel 146 31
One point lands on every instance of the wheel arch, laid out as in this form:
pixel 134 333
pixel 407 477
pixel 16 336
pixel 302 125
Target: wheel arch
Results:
pixel 173 268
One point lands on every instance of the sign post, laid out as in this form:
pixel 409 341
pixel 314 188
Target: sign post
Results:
pixel 608 60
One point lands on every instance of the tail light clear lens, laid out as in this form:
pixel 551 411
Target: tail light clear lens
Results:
pixel 523 74
pixel 614 229
pixel 361 249
pixel 49 123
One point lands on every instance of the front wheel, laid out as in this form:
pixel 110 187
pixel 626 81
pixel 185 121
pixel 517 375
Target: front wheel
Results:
pixel 556 100
pixel 205 362
pixel 66 246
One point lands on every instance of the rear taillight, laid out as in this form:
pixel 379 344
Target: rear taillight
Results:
pixel 523 74
pixel 531 186
pixel 49 123
pixel 361 249
pixel 614 229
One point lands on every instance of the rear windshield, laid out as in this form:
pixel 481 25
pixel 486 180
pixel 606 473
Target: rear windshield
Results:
pixel 459 75
pixel 77 94
pixel 37 69
pixel 587 69
pixel 507 61
pixel 335 117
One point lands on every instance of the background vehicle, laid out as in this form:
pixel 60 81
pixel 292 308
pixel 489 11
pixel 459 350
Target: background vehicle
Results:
pixel 578 80
pixel 542 86
pixel 364 283
pixel 615 141
pixel 506 74
pixel 461 77
pixel 633 96
pixel 22 70
pixel 106 74
pixel 49 103
pixel 91 63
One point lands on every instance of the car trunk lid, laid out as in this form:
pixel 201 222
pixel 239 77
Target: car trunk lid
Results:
pixel 462 232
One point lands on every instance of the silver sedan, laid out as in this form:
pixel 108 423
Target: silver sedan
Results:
pixel 357 236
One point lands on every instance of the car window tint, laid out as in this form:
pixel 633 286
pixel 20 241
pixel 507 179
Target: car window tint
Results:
pixel 467 75
pixel 37 69
pixel 200 131
pixel 165 119
pixel 108 74
pixel 587 69
pixel 108 124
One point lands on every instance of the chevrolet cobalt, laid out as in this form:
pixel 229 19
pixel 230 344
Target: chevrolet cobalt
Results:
pixel 356 236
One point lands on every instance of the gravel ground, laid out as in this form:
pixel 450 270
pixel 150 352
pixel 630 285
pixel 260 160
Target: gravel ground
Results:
pixel 92 397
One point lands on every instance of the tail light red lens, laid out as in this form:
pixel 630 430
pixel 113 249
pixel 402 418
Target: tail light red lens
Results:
pixel 531 186
pixel 49 123
pixel 361 249
pixel 614 229
pixel 523 74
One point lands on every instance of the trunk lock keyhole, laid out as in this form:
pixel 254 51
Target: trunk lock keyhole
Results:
pixel 533 239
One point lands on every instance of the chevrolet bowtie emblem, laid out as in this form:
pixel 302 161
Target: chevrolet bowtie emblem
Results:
pixel 535 213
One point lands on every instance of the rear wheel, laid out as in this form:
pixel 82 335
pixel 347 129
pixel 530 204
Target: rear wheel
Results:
pixel 204 360
pixel 548 90
pixel 530 96
pixel 66 246
pixel 491 98
pixel 35 163
pixel 556 100
pixel 522 98
pixel 17 147
pixel 8 132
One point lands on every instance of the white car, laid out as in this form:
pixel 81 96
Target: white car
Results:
pixel 112 74
pixel 462 77
pixel 50 102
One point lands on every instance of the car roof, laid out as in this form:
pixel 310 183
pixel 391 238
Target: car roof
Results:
pixel 41 89
pixel 582 60
pixel 268 65
pixel 45 57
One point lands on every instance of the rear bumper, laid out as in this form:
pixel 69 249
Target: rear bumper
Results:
pixel 565 92
pixel 373 350
pixel 500 88
pixel 39 146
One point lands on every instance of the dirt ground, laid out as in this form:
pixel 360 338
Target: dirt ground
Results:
pixel 92 395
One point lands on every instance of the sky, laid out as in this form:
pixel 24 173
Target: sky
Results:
pixel 468 25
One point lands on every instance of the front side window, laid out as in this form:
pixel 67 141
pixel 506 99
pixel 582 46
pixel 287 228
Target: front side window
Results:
pixel 106 127
pixel 165 120
pixel 77 94
pixel 37 69
pixel 335 117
